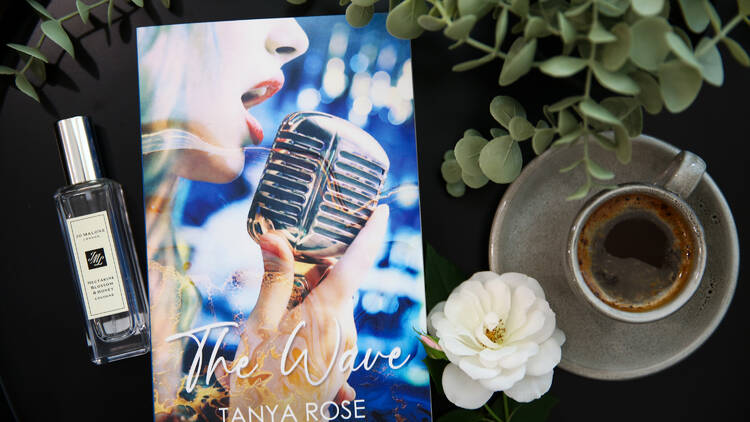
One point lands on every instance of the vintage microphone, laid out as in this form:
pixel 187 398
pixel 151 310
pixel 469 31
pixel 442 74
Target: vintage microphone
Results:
pixel 321 183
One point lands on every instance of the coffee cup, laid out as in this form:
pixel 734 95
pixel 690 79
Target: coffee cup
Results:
pixel 637 252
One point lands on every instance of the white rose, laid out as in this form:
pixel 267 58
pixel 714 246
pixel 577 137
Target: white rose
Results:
pixel 499 333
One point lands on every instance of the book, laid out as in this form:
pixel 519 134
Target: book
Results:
pixel 284 244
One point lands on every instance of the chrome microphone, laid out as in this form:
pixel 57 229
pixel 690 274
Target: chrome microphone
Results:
pixel 320 184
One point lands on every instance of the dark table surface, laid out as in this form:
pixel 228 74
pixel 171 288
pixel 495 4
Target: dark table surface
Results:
pixel 43 358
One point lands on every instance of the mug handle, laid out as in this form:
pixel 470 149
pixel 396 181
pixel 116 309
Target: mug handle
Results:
pixel 683 174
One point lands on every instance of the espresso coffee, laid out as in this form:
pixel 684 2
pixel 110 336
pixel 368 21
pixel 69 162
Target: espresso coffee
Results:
pixel 636 252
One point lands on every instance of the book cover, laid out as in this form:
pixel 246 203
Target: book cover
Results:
pixel 284 245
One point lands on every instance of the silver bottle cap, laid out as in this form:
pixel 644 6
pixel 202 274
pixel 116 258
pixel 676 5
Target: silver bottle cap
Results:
pixel 77 149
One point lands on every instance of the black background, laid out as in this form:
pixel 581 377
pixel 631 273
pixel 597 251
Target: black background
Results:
pixel 44 363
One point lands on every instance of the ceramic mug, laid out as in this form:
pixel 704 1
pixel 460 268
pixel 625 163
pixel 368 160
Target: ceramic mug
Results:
pixel 637 252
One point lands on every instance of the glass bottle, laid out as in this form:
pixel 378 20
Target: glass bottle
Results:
pixel 100 246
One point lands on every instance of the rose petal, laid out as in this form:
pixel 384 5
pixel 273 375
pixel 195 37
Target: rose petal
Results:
pixel 457 347
pixel 559 337
pixel 549 323
pixel 475 369
pixel 499 292
pixel 514 280
pixel 478 290
pixel 530 388
pixel 534 323
pixel 523 352
pixel 505 380
pixel 462 390
pixel 545 359
pixel 523 299
pixel 461 311
pixel 437 308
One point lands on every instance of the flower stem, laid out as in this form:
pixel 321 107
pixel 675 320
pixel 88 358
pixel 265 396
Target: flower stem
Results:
pixel 493 414
pixel 505 407
pixel 718 37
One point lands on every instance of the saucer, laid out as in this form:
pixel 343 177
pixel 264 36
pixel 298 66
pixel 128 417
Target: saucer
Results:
pixel 529 235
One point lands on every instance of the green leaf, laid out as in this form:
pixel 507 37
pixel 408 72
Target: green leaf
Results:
pixel 567 31
pixel 616 53
pixel 473 132
pixel 712 68
pixel 568 138
pixel 571 166
pixel 613 8
pixel 541 140
pixel 457 189
pixel 518 64
pixel 695 14
pixel 606 143
pixel 648 44
pixel 713 15
pixel 475 181
pixel 520 129
pixel 402 20
pixel 680 84
pixel 580 192
pixel 624 151
pixel 599 35
pixel 615 81
pixel 597 112
pixel 520 7
pixel 55 32
pixel 598 171
pixel 681 50
pixel 25 86
pixel 501 160
pixel 471 64
pixel 436 367
pixel 737 51
pixel 364 3
pixel 497 132
pixel 577 10
pixel 628 111
pixel 5 70
pixel 38 70
pixel 40 9
pixel 451 6
pixel 432 352
pixel 504 108
pixel 684 35
pixel 110 7
pixel 562 66
pixel 744 7
pixel 359 16
pixel 467 154
pixel 566 122
pixel 461 415
pixel 501 28
pixel 535 27
pixel 84 10
pixel 138 3
pixel 647 7
pixel 165 3
pixel 431 23
pixel 650 93
pixel 478 8
pixel 565 103
pixel 449 155
pixel 460 28
pixel 441 277
pixel 451 171
pixel 536 411
pixel 31 51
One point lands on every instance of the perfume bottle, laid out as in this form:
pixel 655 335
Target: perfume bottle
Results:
pixel 100 246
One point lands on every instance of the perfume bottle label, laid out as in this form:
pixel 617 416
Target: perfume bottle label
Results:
pixel 97 265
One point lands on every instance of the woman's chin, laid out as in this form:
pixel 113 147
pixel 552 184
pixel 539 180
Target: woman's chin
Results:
pixel 210 167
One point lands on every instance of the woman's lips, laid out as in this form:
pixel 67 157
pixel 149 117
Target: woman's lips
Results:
pixel 254 96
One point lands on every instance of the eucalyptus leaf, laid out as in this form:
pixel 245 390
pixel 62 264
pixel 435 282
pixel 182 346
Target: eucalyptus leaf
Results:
pixel 519 64
pixel 471 64
pixel 40 9
pixel 500 160
pixel 473 132
pixel 615 81
pixel 578 10
pixel 647 7
pixel 681 50
pixel 598 171
pixel 650 93
pixel 562 66
pixel 402 20
pixel 504 108
pixel 680 84
pixel 599 35
pixel 5 70
pixel 110 7
pixel 565 103
pixel 456 190
pixel 535 27
pixel 744 7
pixel 520 7
pixel 451 6
pixel 616 53
pixel 628 111
pixel 138 3
pixel 570 137
pixel 467 152
pixel 613 8
pixel 165 3
pixel 431 23
pixel 474 181
pixel 713 15
pixel 737 51
pixel 566 122
pixel 449 155
pixel 597 112
pixel 55 32
pixel 684 35
pixel 501 28
pixel 712 68
pixel 497 132
pixel 624 151
pixel 359 16
pixel 541 140
pixel 695 14
pixel 648 44
pixel 84 10
pixel 580 192
pixel 25 86
pixel 364 3
pixel 606 143
pixel 567 31
pixel 460 28
pixel 478 8
pixel 31 51
pixel 520 129
pixel 37 68
pixel 451 171
pixel 571 166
